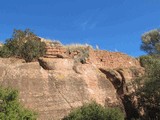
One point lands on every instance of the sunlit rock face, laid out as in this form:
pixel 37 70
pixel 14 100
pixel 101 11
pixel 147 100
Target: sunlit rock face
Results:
pixel 54 86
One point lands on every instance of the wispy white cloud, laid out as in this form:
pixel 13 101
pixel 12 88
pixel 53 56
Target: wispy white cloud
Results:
pixel 87 24
pixel 88 20
pixel 84 25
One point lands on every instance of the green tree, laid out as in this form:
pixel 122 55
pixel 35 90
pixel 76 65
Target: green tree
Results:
pixel 11 109
pixel 94 111
pixel 151 42
pixel 148 92
pixel 149 89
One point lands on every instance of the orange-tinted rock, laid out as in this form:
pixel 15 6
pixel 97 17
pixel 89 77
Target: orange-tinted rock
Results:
pixel 57 83
pixel 100 58
pixel 111 60
pixel 53 93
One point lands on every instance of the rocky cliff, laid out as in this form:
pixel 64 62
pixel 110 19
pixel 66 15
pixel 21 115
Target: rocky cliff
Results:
pixel 53 86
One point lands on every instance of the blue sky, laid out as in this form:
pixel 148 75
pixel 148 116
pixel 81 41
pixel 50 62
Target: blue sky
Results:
pixel 114 25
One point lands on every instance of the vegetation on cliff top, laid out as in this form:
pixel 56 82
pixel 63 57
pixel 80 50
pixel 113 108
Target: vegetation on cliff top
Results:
pixel 23 44
pixel 81 50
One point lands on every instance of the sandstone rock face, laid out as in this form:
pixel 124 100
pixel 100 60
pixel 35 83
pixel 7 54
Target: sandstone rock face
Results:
pixel 100 58
pixel 53 87
pixel 122 78
pixel 56 64
pixel 111 60
pixel 63 80
pixel 57 83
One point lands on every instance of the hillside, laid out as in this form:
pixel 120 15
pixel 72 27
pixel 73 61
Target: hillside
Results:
pixel 67 77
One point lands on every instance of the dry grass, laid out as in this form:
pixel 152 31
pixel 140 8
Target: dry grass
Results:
pixel 83 51
pixel 51 42
pixel 76 45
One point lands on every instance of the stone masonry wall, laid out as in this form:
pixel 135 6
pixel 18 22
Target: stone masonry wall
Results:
pixel 111 59
pixel 53 52
pixel 53 49
pixel 100 58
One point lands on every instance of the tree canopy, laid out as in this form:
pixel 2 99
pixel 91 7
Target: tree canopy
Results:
pixel 148 86
pixel 149 92
pixel 151 42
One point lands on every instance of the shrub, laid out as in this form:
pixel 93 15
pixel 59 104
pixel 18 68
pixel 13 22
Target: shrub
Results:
pixel 11 109
pixel 23 44
pixel 19 37
pixel 5 52
pixel 94 111
pixel 83 52
pixel 32 50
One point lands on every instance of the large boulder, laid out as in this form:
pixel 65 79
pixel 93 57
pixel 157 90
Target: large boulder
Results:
pixel 56 64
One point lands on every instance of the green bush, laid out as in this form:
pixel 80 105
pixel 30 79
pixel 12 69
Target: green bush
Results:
pixel 32 50
pixel 94 111
pixel 5 52
pixel 11 109
pixel 23 44
pixel 16 42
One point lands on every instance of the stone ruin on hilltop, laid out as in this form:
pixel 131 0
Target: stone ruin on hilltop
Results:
pixel 86 54
pixel 58 82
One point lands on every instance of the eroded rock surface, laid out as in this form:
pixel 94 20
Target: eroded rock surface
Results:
pixel 54 86
pixel 53 93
